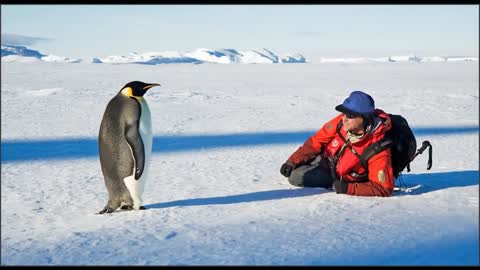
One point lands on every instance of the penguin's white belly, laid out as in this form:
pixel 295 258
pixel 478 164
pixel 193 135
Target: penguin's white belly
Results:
pixel 136 187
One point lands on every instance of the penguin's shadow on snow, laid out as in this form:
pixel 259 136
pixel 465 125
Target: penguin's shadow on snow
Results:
pixel 429 182
pixel 243 198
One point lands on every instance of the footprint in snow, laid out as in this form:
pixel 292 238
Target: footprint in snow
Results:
pixel 171 235
pixel 44 92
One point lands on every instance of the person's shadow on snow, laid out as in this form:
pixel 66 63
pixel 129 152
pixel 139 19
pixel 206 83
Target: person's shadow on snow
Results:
pixel 428 182
pixel 437 181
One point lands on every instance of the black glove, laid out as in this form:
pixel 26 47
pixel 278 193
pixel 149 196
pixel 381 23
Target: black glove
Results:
pixel 340 186
pixel 287 168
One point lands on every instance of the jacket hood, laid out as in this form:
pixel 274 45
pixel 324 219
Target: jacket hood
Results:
pixel 381 123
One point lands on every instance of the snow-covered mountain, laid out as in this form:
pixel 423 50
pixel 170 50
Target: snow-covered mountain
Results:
pixel 19 50
pixel 203 55
pixel 12 53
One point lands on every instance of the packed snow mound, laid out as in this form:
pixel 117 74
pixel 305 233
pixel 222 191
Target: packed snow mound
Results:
pixel 60 59
pixel 460 58
pixel 214 56
pixel 433 59
pixel 293 58
pixel 369 60
pixel 19 59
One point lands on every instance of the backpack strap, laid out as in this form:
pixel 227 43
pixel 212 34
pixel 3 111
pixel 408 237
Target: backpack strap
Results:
pixel 370 151
pixel 425 144
pixel 374 149
pixel 345 140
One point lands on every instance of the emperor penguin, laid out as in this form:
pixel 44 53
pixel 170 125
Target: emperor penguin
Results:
pixel 125 145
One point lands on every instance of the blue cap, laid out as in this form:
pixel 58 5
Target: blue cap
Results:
pixel 358 103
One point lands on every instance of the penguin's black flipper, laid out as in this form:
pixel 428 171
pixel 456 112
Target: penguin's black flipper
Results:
pixel 134 140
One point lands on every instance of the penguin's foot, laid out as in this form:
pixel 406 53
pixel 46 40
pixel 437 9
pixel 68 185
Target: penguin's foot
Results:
pixel 106 210
pixel 126 207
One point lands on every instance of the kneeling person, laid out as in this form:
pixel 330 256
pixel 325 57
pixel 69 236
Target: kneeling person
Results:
pixel 331 156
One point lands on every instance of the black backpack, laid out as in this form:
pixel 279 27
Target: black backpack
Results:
pixel 403 146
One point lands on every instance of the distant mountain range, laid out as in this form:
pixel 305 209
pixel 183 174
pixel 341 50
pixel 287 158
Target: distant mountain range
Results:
pixel 198 56
pixel 10 53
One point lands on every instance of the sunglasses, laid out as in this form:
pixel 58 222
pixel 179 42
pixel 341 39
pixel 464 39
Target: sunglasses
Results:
pixel 350 116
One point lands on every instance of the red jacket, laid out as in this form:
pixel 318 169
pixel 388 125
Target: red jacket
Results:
pixel 328 142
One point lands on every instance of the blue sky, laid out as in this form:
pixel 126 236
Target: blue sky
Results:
pixel 329 30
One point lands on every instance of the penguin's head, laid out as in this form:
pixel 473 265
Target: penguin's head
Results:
pixel 137 88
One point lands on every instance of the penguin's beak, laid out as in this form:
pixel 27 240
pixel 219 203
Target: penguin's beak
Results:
pixel 150 85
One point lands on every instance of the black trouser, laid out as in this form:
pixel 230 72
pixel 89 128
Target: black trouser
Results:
pixel 315 174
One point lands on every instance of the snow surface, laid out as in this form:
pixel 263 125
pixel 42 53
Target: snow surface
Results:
pixel 19 58
pixel 215 194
